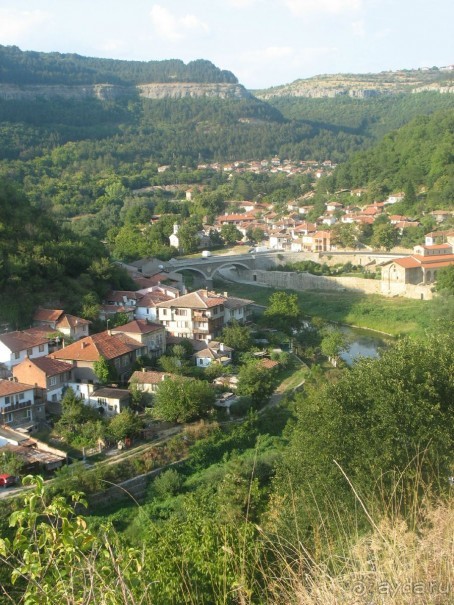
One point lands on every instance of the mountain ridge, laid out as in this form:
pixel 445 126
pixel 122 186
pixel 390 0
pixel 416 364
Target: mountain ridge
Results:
pixel 364 85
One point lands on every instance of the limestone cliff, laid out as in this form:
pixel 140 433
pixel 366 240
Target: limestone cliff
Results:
pixel 173 90
pixel 363 85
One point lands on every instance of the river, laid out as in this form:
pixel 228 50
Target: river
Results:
pixel 362 343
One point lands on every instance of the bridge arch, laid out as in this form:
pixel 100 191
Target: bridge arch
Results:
pixel 194 269
pixel 227 264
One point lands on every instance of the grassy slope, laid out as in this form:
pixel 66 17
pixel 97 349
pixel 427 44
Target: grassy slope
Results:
pixel 395 316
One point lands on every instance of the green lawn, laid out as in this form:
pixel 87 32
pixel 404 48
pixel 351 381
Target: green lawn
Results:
pixel 395 316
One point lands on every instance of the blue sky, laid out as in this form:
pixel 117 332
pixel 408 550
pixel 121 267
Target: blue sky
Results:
pixel 263 42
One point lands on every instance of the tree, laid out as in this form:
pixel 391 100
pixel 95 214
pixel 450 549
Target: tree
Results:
pixel 11 463
pixel 332 345
pixel 167 484
pixel 56 537
pixel 187 237
pixel 445 279
pixel 181 399
pixel 237 337
pixel 283 311
pixel 104 370
pixel 344 235
pixel 79 424
pixel 90 307
pixel 125 424
pixel 230 234
pixel 387 423
pixel 385 236
pixel 256 382
pixel 255 235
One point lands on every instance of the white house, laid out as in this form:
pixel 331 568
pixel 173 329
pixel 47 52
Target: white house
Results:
pixel 16 346
pixel 150 334
pixel 17 404
pixel 215 352
pixel 237 309
pixel 108 400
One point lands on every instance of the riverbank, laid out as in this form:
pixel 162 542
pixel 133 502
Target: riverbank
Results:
pixel 389 316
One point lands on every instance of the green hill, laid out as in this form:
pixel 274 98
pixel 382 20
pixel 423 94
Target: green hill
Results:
pixel 419 156
pixel 29 67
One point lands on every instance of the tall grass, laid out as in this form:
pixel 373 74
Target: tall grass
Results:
pixel 394 316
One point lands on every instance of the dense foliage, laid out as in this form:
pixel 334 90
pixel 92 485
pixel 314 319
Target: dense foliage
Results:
pixel 248 505
pixel 418 157
pixel 385 422
pixel 30 67
pixel 42 262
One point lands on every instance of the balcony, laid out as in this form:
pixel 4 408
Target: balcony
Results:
pixel 12 407
pixel 200 330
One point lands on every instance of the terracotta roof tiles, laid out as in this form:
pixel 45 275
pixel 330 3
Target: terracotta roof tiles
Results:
pixel 93 347
pixel 8 387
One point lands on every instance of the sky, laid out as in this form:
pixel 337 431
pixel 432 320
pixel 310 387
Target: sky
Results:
pixel 263 42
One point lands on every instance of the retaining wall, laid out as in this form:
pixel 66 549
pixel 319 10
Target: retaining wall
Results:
pixel 307 281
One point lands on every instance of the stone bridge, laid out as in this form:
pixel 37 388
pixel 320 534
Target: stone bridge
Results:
pixel 208 267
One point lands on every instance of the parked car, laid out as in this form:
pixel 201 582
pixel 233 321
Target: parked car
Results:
pixel 7 480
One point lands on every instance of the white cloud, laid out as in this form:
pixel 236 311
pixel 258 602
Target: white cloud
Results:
pixel 359 29
pixel 302 7
pixel 175 28
pixel 242 3
pixel 14 24
pixel 276 52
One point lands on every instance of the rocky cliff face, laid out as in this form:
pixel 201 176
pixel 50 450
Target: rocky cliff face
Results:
pixel 173 90
pixel 189 89
pixel 363 85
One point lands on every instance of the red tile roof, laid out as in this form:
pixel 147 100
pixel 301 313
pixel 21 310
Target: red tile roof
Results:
pixel 201 299
pixel 47 314
pixel 149 377
pixel 426 262
pixel 9 387
pixel 71 321
pixel 19 341
pixel 49 366
pixel 93 347
pixel 138 326
pixel 268 364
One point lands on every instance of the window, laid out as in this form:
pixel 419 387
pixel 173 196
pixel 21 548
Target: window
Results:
pixel 7 400
pixel 21 396
pixel 16 355
pixel 52 381
pixel 29 352
pixel 41 348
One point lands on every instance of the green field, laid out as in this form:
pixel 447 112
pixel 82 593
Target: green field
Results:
pixel 394 316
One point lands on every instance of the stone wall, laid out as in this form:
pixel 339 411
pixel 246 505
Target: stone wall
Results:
pixel 131 489
pixel 306 281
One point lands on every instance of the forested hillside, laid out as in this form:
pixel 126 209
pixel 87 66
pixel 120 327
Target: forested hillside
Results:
pixel 30 67
pixel 417 158
pixel 42 262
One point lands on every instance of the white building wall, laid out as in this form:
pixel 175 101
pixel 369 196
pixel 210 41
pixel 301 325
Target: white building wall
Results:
pixel 11 359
